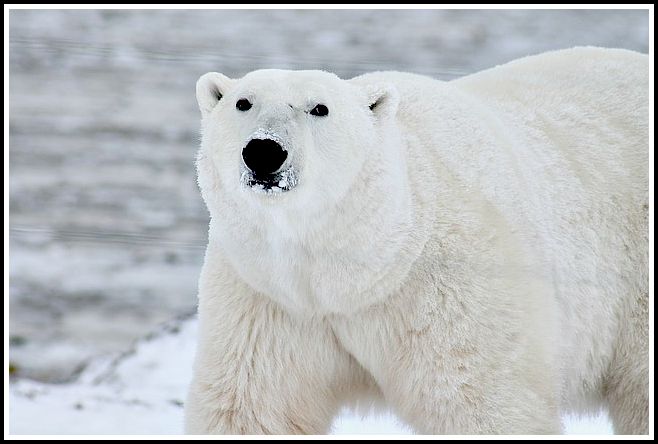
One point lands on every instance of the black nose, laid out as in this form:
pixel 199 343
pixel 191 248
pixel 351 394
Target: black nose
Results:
pixel 263 156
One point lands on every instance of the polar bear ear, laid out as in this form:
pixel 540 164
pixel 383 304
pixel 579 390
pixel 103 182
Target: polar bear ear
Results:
pixel 383 99
pixel 210 88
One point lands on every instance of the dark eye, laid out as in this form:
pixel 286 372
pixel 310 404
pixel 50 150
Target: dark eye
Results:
pixel 243 105
pixel 320 110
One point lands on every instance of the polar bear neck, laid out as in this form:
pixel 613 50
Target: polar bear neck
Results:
pixel 311 268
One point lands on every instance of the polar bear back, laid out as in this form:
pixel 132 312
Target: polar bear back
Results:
pixel 550 139
pixel 590 102
pixel 587 105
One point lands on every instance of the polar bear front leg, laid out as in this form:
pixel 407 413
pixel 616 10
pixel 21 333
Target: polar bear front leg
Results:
pixel 439 397
pixel 453 367
pixel 260 371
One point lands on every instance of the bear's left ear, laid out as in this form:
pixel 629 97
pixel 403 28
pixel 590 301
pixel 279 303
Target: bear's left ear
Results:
pixel 210 88
pixel 383 99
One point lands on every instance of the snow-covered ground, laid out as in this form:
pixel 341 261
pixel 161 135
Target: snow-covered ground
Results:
pixel 107 228
pixel 142 391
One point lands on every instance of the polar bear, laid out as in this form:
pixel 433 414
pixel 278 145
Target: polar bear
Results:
pixel 472 253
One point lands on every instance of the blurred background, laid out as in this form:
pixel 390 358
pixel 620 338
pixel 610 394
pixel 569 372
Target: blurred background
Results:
pixel 107 228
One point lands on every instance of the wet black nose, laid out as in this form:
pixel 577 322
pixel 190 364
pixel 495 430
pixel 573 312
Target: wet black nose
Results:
pixel 263 156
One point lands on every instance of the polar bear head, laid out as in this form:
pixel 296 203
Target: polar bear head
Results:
pixel 288 139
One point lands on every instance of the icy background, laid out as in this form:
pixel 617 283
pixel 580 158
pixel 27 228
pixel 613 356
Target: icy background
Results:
pixel 107 227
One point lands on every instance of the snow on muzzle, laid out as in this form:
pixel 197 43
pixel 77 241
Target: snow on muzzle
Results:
pixel 264 158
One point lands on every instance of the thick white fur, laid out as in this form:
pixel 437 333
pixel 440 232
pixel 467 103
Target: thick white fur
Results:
pixel 474 253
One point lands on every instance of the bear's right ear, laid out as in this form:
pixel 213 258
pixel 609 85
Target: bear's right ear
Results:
pixel 210 88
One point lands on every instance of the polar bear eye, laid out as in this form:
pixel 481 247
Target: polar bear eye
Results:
pixel 320 110
pixel 243 105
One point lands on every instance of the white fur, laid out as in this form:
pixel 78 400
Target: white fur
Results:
pixel 474 253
